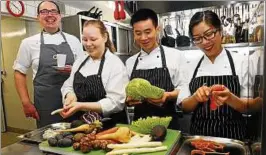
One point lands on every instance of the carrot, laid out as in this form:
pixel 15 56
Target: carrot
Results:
pixel 111 130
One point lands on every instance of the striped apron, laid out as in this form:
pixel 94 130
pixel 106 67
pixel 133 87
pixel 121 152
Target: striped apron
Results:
pixel 159 77
pixel 225 121
pixel 91 89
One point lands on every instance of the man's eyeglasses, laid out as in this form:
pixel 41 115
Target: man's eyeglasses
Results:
pixel 46 12
pixel 207 36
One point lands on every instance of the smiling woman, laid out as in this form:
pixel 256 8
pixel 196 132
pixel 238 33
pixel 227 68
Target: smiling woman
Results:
pixel 216 112
pixel 97 82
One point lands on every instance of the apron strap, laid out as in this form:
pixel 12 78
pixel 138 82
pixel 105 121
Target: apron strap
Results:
pixel 41 38
pixel 101 64
pixel 63 35
pixel 83 63
pixel 231 62
pixel 196 70
pixel 135 64
pixel 163 57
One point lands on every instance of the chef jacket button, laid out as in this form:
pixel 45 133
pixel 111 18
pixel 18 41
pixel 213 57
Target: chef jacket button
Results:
pixel 225 66
pixel 140 58
pixel 157 56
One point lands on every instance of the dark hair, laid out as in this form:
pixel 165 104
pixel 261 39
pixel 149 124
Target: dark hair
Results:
pixel 99 24
pixel 144 14
pixel 208 17
pixel 38 8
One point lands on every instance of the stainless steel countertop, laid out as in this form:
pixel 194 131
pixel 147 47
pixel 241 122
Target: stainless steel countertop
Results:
pixel 22 148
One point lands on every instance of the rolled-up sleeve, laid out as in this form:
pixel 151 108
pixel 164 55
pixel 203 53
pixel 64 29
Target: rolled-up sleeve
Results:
pixel 115 90
pixel 23 61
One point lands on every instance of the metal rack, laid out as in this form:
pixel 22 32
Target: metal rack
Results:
pixel 120 35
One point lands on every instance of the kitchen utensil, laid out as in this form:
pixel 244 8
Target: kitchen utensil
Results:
pixel 168 27
pixel 99 14
pixel 235 147
pixel 182 40
pixel 35 136
pixel 85 13
pixel 167 40
pixel 122 13
pixel 95 14
pixel 116 11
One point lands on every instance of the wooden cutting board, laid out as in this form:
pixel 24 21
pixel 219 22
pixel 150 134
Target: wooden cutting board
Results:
pixel 171 138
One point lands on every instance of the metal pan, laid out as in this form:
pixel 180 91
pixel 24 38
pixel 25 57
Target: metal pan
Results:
pixel 35 136
pixel 234 147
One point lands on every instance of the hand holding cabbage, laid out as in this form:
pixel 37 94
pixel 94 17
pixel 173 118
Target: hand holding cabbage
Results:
pixel 139 89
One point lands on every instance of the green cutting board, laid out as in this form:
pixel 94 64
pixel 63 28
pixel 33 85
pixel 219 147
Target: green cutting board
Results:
pixel 171 138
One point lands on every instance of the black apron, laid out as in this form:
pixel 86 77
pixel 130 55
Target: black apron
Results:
pixel 48 81
pixel 91 89
pixel 159 77
pixel 254 121
pixel 225 121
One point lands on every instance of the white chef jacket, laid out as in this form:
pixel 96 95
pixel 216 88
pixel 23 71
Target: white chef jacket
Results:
pixel 256 65
pixel 114 79
pixel 29 50
pixel 221 66
pixel 175 61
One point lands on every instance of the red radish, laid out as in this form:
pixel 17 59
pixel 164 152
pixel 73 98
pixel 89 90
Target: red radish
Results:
pixel 213 105
pixel 116 12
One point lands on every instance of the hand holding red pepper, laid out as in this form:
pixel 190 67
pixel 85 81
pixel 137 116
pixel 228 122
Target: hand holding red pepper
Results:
pixel 219 96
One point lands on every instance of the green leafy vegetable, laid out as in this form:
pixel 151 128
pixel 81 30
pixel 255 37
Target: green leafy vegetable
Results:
pixel 145 126
pixel 139 89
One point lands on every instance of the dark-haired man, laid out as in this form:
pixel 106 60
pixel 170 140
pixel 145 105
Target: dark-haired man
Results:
pixel 160 65
pixel 39 52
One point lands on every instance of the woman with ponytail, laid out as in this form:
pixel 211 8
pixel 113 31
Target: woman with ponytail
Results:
pixel 97 81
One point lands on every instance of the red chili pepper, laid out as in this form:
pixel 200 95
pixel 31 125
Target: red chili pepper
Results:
pixel 213 105
pixel 217 88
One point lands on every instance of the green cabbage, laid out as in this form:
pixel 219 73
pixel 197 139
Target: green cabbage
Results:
pixel 139 89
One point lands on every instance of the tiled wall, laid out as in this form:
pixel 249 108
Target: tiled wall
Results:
pixel 31 7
